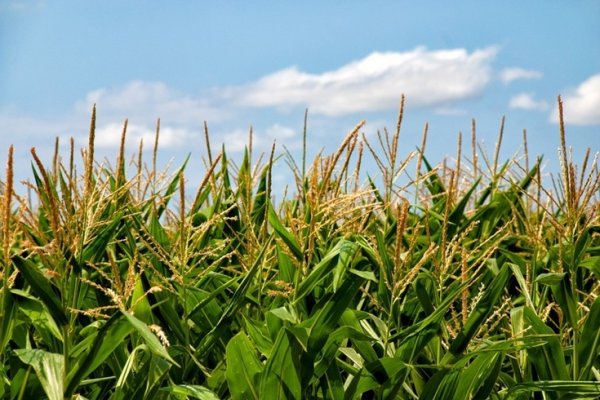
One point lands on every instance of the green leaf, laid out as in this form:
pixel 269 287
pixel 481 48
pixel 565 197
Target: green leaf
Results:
pixel 571 389
pixel 349 320
pixel 39 316
pixel 589 342
pixel 149 337
pixel 236 301
pixel 260 204
pixel 284 234
pixel 284 314
pixel 281 376
pixel 458 212
pixel 483 308
pixel 386 370
pixel 516 270
pixel 41 286
pixel 565 298
pixel 434 184
pixel 593 264
pixel 478 379
pixel 286 270
pixel 366 275
pixel 8 319
pixel 194 391
pixel 124 377
pixel 257 332
pixel 109 337
pixel 329 311
pixel 171 188
pixel 414 338
pixel 157 372
pixel 322 269
pixel 549 359
pixel 347 251
pixel 243 368
pixel 94 251
pixel 335 384
pixel 49 368
pixel 550 278
pixel 423 290
pixel 335 340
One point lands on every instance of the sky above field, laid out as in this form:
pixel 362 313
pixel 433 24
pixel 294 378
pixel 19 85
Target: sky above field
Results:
pixel 239 64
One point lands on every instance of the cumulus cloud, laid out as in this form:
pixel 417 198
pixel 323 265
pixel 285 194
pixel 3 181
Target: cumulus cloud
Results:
pixel 526 101
pixel 17 125
pixel 582 106
pixel 109 136
pixel 280 132
pixel 375 82
pixel 508 75
pixel 142 103
pixel 236 140
pixel 143 100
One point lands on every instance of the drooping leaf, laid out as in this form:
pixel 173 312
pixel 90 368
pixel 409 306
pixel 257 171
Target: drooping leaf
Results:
pixel 49 368
pixel 42 288
pixel 193 391
pixel 39 316
pixel 153 343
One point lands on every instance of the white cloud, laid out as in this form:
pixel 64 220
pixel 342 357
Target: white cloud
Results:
pixel 526 101
pixel 508 75
pixel 142 103
pixel 262 139
pixel 280 132
pixel 109 136
pixel 22 127
pixel 582 106
pixel 235 140
pixel 139 100
pixel 375 82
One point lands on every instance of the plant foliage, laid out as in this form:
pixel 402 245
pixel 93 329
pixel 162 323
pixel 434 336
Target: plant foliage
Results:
pixel 471 281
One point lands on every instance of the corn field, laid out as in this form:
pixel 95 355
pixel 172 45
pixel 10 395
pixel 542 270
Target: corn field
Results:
pixel 475 279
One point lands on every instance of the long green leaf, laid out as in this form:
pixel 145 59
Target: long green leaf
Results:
pixel 549 360
pixel 41 286
pixel 281 376
pixel 483 308
pixel 236 301
pixel 243 368
pixel 570 389
pixel 589 342
pixel 39 316
pixel 284 234
pixel 149 337
pixel 49 368
pixel 193 391
pixel 322 269
pixel 106 340
pixel 478 379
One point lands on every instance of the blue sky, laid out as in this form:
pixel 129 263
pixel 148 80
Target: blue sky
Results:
pixel 238 64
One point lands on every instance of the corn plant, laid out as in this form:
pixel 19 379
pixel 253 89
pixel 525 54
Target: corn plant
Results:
pixel 469 279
